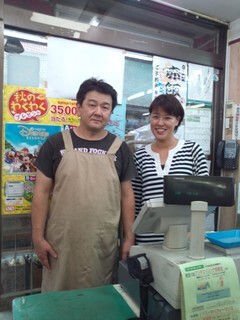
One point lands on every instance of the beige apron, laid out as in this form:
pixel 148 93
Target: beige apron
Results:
pixel 83 222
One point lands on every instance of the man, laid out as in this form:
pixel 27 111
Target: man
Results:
pixel 87 171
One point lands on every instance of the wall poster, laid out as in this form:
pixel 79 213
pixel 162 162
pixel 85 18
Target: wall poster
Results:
pixel 198 127
pixel 200 83
pixel 29 118
pixel 22 143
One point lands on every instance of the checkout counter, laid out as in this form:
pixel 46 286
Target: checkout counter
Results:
pixel 102 303
pixel 163 297
pixel 186 200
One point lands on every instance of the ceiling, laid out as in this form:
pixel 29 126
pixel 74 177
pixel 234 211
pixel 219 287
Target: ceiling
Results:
pixel 223 10
pixel 141 21
pixel 143 17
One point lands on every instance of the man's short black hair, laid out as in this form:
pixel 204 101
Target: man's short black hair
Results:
pixel 100 86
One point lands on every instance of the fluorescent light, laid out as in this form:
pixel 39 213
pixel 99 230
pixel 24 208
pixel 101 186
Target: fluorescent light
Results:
pixel 25 36
pixel 146 114
pixel 136 95
pixel 59 22
pixel 139 94
pixel 197 105
pixel 13 45
pixel 95 21
pixel 138 56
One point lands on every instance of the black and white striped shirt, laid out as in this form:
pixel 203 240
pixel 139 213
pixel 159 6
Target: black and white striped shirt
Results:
pixel 187 158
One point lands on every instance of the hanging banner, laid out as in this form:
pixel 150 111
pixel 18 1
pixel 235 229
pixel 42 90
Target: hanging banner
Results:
pixel 170 77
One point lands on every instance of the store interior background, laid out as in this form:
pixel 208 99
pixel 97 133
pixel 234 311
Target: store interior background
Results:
pixel 203 32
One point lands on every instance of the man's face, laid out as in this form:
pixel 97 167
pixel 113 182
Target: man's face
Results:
pixel 95 111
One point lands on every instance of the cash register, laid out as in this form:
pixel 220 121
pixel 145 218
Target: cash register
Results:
pixel 180 215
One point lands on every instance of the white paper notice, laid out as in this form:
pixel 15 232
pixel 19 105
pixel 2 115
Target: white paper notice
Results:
pixel 198 126
pixel 210 290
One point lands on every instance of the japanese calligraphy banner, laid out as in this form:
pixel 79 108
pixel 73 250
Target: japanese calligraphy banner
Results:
pixel 170 77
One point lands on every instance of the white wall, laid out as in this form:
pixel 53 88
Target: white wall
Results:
pixel 234 30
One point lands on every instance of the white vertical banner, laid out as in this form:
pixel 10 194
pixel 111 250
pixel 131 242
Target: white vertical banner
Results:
pixel 71 62
pixel 170 77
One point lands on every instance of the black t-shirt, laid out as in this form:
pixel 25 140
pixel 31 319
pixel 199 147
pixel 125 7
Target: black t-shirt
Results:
pixel 52 151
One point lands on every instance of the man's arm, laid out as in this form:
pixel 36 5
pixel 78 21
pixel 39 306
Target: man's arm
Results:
pixel 40 203
pixel 127 215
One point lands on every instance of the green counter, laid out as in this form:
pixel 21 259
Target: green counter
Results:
pixel 102 303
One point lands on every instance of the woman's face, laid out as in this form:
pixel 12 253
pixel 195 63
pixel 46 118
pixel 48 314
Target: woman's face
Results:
pixel 162 124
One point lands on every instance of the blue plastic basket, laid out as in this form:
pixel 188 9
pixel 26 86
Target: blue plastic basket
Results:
pixel 225 239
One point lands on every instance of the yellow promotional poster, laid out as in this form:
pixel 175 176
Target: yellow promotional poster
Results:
pixel 29 119
pixel 30 105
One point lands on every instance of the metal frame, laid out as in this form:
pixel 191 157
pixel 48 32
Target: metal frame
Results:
pixel 1 104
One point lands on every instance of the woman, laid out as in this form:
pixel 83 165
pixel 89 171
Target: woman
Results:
pixel 166 155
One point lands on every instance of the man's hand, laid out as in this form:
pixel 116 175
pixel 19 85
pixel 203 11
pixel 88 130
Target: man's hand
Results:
pixel 43 249
pixel 40 207
pixel 127 214
pixel 126 246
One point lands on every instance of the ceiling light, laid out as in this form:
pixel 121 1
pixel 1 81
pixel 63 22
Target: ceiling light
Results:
pixel 59 22
pixel 136 95
pixel 95 21
pixel 13 45
pixel 138 56
pixel 200 105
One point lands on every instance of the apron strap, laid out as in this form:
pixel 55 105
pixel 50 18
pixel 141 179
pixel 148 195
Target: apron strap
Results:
pixel 67 139
pixel 115 146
